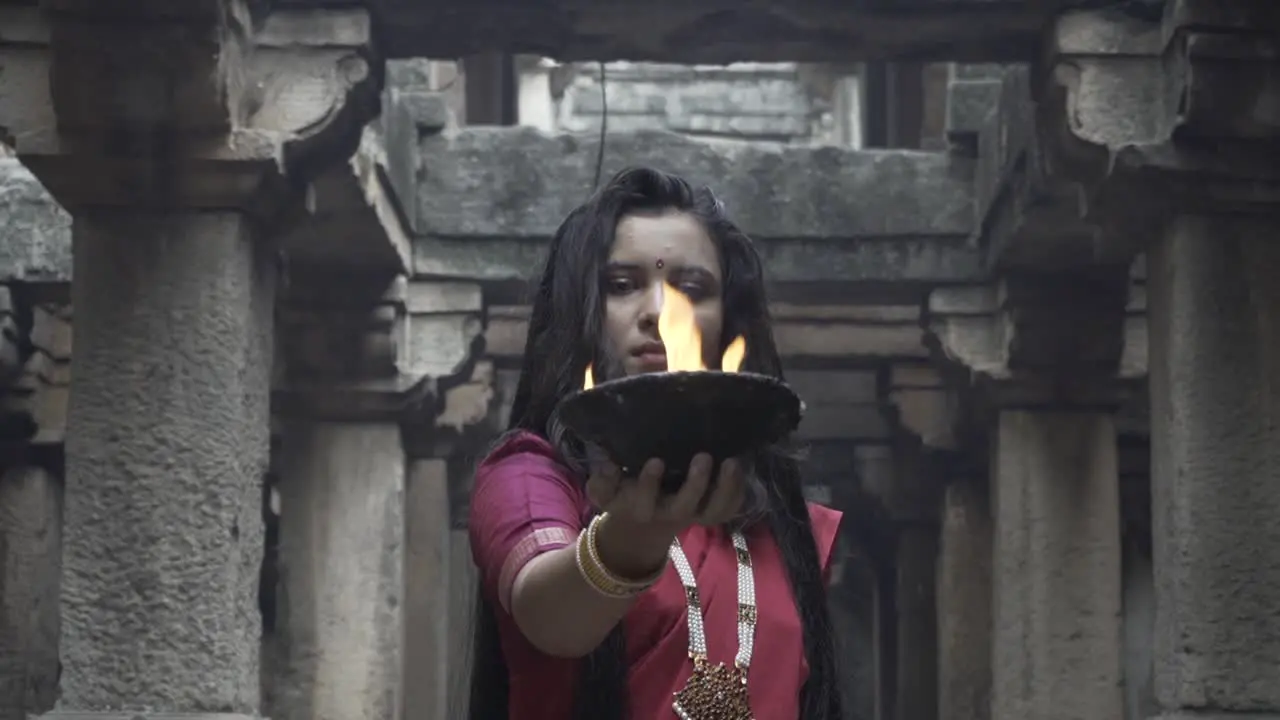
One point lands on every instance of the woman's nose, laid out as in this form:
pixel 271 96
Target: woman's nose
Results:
pixel 652 307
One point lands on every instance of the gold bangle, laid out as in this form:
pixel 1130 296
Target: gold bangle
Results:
pixel 592 574
pixel 593 545
pixel 598 576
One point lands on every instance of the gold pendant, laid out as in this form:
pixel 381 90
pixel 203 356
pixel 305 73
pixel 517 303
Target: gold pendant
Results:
pixel 714 692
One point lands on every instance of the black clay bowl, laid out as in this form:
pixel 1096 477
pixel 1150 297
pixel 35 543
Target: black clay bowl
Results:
pixel 675 415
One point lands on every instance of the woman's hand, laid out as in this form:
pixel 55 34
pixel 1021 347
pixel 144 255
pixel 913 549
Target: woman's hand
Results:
pixel 634 539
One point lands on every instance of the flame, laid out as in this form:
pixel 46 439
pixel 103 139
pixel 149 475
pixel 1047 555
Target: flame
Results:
pixel 678 328
pixel 733 356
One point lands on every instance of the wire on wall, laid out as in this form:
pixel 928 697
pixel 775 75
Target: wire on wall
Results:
pixel 604 127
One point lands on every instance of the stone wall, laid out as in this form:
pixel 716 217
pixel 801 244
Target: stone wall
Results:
pixel 781 102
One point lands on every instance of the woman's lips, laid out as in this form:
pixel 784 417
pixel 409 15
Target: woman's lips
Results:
pixel 652 357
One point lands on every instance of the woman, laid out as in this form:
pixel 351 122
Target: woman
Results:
pixel 592 585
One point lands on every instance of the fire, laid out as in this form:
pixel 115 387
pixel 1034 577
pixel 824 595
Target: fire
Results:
pixel 678 328
pixel 733 356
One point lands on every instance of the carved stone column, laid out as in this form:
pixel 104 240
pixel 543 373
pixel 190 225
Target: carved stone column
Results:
pixel 1043 353
pixel 31 563
pixel 336 648
pixel 447 321
pixel 176 137
pixel 1057 566
pixel 946 548
pixel 337 651
pixel 1215 349
pixel 428 557
pixel 964 601
pixel 1167 124
pixel 376 383
pixel 35 347
pixel 914 509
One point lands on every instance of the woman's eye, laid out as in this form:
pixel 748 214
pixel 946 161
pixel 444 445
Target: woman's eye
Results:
pixel 693 290
pixel 619 285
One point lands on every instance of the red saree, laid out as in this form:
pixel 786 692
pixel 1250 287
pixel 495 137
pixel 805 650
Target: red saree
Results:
pixel 525 503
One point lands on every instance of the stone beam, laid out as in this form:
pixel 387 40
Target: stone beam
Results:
pixel 808 336
pixel 490 199
pixel 717 31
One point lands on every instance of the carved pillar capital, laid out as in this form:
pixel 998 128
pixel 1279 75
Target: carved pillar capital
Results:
pixel 1037 339
pixel 1151 114
pixel 204 107
pixel 383 349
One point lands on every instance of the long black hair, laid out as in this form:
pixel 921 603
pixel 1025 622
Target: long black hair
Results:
pixel 565 333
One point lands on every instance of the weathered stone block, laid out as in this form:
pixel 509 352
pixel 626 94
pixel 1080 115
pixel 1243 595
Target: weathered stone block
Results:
pixel 35 232
pixel 440 344
pixel 444 319
pixel 839 404
pixel 968 104
pixel 40 395
pixel 490 198
pixel 763 101
pixel 828 333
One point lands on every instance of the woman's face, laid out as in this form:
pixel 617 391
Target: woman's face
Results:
pixel 649 250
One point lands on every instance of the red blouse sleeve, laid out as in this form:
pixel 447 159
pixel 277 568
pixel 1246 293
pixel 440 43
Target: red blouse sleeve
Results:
pixel 826 525
pixel 524 503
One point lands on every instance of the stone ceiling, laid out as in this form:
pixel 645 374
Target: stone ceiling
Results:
pixel 715 31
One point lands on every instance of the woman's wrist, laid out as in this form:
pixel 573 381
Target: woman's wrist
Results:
pixel 631 550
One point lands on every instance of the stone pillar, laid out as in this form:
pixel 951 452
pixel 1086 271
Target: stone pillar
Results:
pixel 428 558
pixel 30 570
pixel 914 507
pixel 1197 187
pixel 446 320
pixel 167 443
pixel 177 138
pixel 964 603
pixel 917 633
pixel 34 373
pixel 341 598
pixel 1214 306
pixel 1048 358
pixel 337 646
pixel 367 401
pixel 1057 637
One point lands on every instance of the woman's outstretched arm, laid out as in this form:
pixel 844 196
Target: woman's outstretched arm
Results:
pixel 525 521
pixel 559 612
